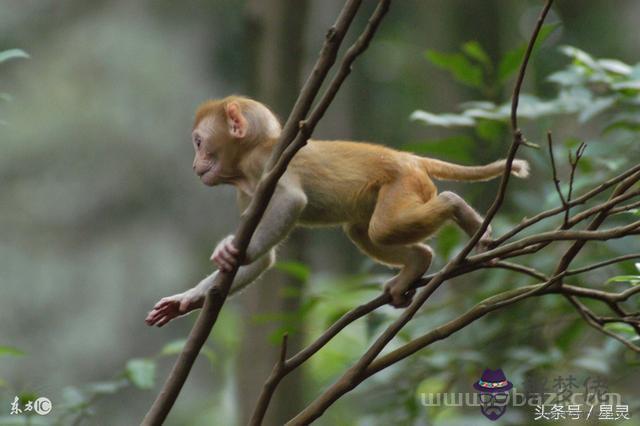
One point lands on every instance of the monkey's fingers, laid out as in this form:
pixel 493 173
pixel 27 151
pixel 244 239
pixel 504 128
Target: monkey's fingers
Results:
pixel 164 320
pixel 231 248
pixel 157 313
pixel 154 316
pixel 228 256
pixel 221 262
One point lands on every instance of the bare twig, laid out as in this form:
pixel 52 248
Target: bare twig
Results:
pixel 574 165
pixel 594 321
pixel 554 171
pixel 603 264
pixel 598 220
pixel 625 208
pixel 603 206
pixel 527 222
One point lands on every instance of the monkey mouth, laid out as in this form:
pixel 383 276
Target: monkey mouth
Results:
pixel 210 177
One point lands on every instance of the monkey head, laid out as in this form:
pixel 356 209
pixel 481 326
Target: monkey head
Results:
pixel 224 132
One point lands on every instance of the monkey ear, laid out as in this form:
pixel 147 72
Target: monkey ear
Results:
pixel 236 121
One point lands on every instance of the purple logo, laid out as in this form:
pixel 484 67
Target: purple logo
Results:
pixel 494 393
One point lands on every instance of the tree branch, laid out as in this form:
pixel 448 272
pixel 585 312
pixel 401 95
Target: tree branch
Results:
pixel 277 165
pixel 527 222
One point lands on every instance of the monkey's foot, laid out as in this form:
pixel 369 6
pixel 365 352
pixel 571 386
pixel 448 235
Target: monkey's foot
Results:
pixel 400 298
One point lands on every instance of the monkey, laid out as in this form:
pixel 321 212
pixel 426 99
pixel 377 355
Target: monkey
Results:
pixel 384 199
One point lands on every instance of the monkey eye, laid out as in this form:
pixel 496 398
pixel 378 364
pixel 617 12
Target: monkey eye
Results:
pixel 197 140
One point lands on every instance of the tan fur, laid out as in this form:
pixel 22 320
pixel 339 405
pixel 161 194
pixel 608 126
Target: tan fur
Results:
pixel 361 186
pixel 385 199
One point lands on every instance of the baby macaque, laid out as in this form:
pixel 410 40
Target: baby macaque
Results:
pixel 385 200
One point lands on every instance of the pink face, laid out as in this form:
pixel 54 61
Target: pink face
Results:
pixel 206 163
pixel 217 141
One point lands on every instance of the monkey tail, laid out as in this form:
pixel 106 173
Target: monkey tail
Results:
pixel 448 171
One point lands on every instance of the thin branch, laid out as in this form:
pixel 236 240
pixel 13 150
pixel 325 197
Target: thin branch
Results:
pixel 527 222
pixel 216 297
pixel 270 386
pixel 550 236
pixel 574 165
pixel 490 304
pixel 603 206
pixel 598 220
pixel 554 171
pixel 625 208
pixel 283 367
pixel 594 321
pixel 603 264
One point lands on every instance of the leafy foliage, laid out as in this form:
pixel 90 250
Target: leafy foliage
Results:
pixel 586 87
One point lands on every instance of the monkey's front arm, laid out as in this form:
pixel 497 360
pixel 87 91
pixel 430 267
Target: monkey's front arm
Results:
pixel 181 304
pixel 280 217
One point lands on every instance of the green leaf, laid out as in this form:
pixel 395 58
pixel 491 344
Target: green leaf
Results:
pixel 627 86
pixel 141 372
pixel 5 55
pixel 572 76
pixel 633 279
pixel 10 351
pixel 616 67
pixel 443 120
pixel 474 50
pixel 457 64
pixel 620 327
pixel 581 57
pixel 298 270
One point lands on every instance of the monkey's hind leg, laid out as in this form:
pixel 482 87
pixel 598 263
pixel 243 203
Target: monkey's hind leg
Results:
pixel 413 260
pixel 403 216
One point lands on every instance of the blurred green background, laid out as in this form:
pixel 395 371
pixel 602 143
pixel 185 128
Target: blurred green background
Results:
pixel 101 215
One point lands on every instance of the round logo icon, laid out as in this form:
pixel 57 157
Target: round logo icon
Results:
pixel 42 406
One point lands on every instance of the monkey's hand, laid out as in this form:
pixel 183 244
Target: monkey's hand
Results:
pixel 175 306
pixel 225 254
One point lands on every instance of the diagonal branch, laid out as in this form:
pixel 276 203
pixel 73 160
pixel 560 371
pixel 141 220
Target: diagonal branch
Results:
pixel 355 50
pixel 276 167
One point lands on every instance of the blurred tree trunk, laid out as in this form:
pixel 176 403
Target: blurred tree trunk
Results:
pixel 275 40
